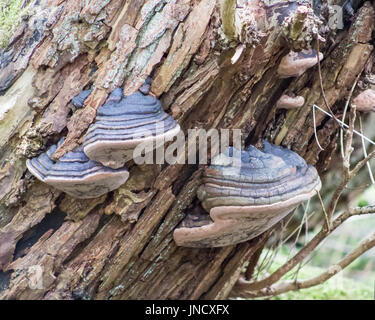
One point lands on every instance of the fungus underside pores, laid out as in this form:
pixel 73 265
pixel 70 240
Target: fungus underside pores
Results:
pixel 247 197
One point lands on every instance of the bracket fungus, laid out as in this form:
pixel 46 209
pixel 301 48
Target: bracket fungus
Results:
pixel 288 102
pixel 295 64
pixel 124 122
pixel 76 174
pixel 247 197
pixel 365 101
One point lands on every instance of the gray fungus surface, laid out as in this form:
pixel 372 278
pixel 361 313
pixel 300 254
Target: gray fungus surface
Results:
pixel 122 123
pixel 246 192
pixel 248 195
pixel 75 174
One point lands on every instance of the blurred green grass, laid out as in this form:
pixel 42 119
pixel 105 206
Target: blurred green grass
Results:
pixel 10 17
pixel 356 282
pixel 338 287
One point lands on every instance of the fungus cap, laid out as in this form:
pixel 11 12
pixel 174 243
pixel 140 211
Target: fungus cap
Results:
pixel 248 197
pixel 365 101
pixel 122 123
pixel 287 102
pixel 295 64
pixel 76 174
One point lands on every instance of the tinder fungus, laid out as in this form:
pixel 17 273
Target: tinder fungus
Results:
pixel 296 63
pixel 248 196
pixel 123 123
pixel 76 174
pixel 365 101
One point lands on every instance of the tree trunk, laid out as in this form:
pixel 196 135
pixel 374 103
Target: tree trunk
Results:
pixel 120 245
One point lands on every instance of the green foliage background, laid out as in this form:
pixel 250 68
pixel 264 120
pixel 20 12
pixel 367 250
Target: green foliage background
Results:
pixel 10 17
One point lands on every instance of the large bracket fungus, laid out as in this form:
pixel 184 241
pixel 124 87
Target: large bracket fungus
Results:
pixel 247 197
pixel 76 174
pixel 97 167
pixel 122 123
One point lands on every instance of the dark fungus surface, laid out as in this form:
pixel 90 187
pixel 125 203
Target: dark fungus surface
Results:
pixel 124 122
pixel 75 174
pixel 246 195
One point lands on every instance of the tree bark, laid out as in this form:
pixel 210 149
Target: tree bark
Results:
pixel 120 245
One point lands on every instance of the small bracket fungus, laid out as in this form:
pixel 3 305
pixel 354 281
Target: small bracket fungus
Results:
pixel 296 63
pixel 247 197
pixel 287 102
pixel 122 123
pixel 76 174
pixel 365 101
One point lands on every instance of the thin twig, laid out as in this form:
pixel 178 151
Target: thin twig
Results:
pixel 305 241
pixel 362 187
pixel 306 250
pixel 321 82
pixel 345 125
pixel 324 211
pixel 299 229
pixel 361 163
pixel 315 133
pixel 296 229
pixel 344 114
pixel 349 141
pixel 365 152
pixel 292 285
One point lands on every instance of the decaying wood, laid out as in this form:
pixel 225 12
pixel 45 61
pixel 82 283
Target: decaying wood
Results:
pixel 120 245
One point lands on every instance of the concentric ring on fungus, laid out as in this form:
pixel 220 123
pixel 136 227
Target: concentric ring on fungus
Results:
pixel 122 123
pixel 76 174
pixel 248 197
